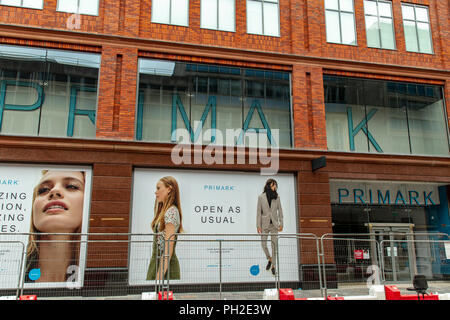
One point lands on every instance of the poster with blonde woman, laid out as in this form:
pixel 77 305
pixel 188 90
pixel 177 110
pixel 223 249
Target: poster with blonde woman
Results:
pixel 167 222
pixel 46 209
pixel 211 215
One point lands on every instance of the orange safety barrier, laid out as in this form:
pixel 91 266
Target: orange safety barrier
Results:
pixel 393 293
pixel 160 296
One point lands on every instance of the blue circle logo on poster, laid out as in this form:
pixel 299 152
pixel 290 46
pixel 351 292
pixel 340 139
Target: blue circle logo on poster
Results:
pixel 34 274
pixel 254 270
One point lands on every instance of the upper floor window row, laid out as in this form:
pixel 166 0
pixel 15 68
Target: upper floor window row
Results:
pixel 263 18
pixel 33 4
pixel 380 33
pixel 89 7
pixel 262 15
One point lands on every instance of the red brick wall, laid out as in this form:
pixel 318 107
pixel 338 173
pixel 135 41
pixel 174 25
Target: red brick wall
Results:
pixel 237 39
pixel 302 35
pixel 302 29
pixel 439 28
pixel 308 108
pixel 49 18
pixel 117 93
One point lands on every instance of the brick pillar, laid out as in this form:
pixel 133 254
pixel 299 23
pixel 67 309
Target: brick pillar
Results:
pixel 299 27
pixel 122 17
pixel 314 218
pixel 314 203
pixel 117 93
pixel 110 210
pixel 129 18
pixel 361 37
pixel 398 25
pixel 316 26
pixel 111 18
pixel 308 108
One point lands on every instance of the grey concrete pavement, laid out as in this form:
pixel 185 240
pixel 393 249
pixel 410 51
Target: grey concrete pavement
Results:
pixel 342 290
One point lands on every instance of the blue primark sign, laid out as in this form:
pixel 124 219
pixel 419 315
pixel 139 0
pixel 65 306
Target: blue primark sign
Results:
pixel 73 111
pixel 410 194
pixel 210 107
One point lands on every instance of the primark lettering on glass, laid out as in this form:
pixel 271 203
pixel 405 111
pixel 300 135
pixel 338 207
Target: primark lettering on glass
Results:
pixel 49 92
pixel 384 193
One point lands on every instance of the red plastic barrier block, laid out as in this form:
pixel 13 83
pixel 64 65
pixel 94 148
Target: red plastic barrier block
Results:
pixel 335 298
pixel 160 296
pixel 414 297
pixel 392 293
pixel 430 297
pixel 286 294
pixel 301 298
pixel 28 297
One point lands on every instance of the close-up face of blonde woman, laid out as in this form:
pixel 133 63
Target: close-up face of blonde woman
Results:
pixel 162 191
pixel 58 202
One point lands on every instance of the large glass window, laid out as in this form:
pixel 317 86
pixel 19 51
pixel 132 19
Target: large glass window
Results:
pixel 218 14
pixel 174 12
pixel 416 23
pixel 33 4
pixel 48 92
pixel 340 21
pixel 263 17
pixel 385 117
pixel 89 7
pixel 175 95
pixel 379 25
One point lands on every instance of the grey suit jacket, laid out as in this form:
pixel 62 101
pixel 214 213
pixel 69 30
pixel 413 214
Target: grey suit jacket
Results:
pixel 264 213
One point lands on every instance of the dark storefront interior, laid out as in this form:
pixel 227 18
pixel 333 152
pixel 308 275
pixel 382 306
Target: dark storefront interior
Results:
pixel 409 239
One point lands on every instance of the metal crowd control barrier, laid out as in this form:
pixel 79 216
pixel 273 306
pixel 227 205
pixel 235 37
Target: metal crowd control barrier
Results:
pixel 11 262
pixel 308 247
pixel 117 264
pixel 354 256
pixel 402 259
pixel 353 253
pixel 98 264
pixel 233 254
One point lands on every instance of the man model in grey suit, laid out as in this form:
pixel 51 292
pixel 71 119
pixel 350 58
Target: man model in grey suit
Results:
pixel 269 220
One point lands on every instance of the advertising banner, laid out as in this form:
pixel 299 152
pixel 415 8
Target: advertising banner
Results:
pixel 37 201
pixel 220 205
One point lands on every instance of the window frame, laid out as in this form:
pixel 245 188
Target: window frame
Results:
pixel 378 16
pixel 68 57
pixel 58 9
pixel 262 17
pixel 22 6
pixel 170 15
pixel 218 17
pixel 339 11
pixel 430 34
pixel 242 77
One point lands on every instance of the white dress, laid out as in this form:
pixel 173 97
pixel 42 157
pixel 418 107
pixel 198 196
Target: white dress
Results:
pixel 172 216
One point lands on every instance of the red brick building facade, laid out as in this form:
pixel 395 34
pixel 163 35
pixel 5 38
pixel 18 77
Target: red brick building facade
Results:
pixel 123 32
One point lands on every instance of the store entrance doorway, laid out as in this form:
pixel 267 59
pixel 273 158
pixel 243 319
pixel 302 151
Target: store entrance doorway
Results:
pixel 397 251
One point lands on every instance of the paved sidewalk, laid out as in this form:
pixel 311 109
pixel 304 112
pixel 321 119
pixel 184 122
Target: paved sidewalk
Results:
pixel 342 290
